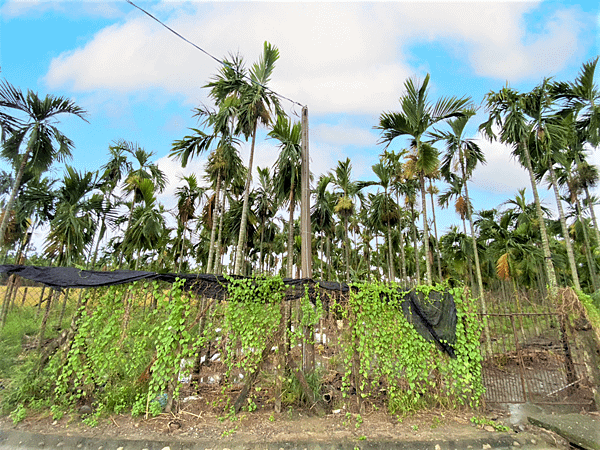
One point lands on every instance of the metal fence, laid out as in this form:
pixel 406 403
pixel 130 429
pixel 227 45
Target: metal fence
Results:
pixel 535 358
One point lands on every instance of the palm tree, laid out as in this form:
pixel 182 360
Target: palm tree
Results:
pixel 508 110
pixel 417 117
pixel 224 170
pixel 254 103
pixel 547 144
pixel 455 248
pixel 466 154
pixel 72 228
pixel 398 185
pixel 420 166
pixel 587 177
pixel 461 207
pixel 45 143
pixel 147 224
pixel 135 180
pixel 265 207
pixel 321 217
pixel 387 210
pixel 408 187
pixel 188 196
pixel 567 176
pixel 346 190
pixel 582 97
pixel 432 191
pixel 113 172
pixel 286 179
pixel 33 207
pixel 257 103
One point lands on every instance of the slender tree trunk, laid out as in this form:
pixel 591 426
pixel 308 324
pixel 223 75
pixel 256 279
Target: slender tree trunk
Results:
pixel 322 256
pixel 101 232
pixel 262 256
pixel 469 263
pixel 45 319
pixel 550 273
pixel 588 253
pixel 242 237
pixel 367 247
pixel 484 309
pixel 437 246
pixel 347 249
pixel 415 244
pixel 126 229
pixel 402 256
pixel 429 279
pixel 328 258
pixel 217 268
pixel 565 231
pixel 593 214
pixel 13 195
pixel 181 253
pixel 97 246
pixel 213 228
pixel 290 240
pixel 392 273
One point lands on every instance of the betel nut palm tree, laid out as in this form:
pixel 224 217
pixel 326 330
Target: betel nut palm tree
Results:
pixel 321 216
pixel 146 170
pixel 111 175
pixel 255 103
pixel 346 190
pixel 286 179
pixel 385 208
pixel 465 154
pixel 189 196
pixel 73 226
pixel 416 118
pixel 220 135
pixel 34 142
pixel 507 111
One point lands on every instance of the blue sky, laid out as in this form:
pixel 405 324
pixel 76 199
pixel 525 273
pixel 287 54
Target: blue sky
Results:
pixel 346 61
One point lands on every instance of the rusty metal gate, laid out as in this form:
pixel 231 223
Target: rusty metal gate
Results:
pixel 533 359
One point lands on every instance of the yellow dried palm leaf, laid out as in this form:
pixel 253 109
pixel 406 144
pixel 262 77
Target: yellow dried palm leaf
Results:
pixel 461 207
pixel 502 268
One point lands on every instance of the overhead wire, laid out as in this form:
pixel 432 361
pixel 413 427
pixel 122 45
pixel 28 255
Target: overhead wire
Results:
pixel 223 63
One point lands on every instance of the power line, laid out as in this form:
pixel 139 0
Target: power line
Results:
pixel 223 63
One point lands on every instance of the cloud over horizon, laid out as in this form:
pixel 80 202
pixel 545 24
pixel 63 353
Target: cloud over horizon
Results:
pixel 337 58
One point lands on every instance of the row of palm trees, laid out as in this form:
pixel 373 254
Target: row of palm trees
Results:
pixel 362 229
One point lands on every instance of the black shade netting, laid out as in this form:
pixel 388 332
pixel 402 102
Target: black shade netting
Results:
pixel 433 316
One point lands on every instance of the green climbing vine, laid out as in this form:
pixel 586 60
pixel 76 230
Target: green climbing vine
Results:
pixel 132 345
pixel 251 317
pixel 173 342
pixel 389 352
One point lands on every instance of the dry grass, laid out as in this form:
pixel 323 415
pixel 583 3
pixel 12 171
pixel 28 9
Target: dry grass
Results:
pixel 31 293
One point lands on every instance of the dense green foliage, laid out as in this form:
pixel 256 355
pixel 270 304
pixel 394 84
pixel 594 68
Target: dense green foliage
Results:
pixel 377 228
pixel 415 372
pixel 134 348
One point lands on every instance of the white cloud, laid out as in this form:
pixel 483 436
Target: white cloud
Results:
pixel 334 57
pixel 502 173
pixel 547 53
pixel 494 36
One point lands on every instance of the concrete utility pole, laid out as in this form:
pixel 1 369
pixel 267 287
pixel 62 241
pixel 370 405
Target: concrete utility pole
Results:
pixel 308 347
pixel 305 227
